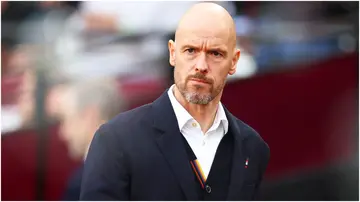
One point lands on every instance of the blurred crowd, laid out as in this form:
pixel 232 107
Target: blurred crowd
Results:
pixel 50 48
pixel 81 63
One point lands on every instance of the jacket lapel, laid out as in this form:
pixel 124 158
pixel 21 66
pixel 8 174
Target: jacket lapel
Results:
pixel 238 163
pixel 168 138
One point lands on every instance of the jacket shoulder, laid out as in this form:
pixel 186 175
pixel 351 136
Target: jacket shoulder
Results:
pixel 253 136
pixel 126 121
pixel 136 113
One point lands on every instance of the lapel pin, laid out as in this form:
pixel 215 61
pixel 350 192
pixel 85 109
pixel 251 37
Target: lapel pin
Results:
pixel 246 162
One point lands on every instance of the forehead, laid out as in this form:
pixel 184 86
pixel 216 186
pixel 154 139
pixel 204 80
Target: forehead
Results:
pixel 205 41
pixel 201 36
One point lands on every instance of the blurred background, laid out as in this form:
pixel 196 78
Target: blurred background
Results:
pixel 66 67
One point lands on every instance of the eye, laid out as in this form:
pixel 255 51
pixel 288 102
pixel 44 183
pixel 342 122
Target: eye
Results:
pixel 190 50
pixel 216 53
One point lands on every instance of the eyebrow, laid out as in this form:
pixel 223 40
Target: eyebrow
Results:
pixel 189 46
pixel 218 49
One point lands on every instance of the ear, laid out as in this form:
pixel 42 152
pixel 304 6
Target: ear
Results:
pixel 234 61
pixel 171 46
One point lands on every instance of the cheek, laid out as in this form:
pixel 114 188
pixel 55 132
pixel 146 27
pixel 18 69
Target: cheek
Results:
pixel 185 63
pixel 179 76
pixel 220 75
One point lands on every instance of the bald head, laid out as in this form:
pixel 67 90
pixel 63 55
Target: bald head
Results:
pixel 204 49
pixel 207 18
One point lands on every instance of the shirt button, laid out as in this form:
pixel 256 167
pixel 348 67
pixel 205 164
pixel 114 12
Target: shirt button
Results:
pixel 203 143
pixel 194 124
pixel 208 189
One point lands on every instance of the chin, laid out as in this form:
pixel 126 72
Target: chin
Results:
pixel 205 88
pixel 198 98
pixel 199 92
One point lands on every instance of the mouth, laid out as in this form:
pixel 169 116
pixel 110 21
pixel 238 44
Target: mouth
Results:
pixel 199 81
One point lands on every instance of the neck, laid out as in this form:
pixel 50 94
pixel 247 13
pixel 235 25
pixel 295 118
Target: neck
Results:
pixel 203 114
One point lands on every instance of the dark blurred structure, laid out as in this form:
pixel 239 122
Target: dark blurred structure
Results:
pixel 309 118
pixel 298 70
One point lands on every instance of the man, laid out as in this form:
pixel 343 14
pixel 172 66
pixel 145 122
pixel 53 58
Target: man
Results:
pixel 185 145
pixel 84 107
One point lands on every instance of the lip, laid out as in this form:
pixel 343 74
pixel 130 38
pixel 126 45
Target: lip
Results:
pixel 199 80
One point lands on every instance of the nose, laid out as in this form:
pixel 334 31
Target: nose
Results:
pixel 201 64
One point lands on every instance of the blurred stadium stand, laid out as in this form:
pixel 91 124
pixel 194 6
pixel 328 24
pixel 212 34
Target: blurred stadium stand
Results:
pixel 302 98
pixel 314 154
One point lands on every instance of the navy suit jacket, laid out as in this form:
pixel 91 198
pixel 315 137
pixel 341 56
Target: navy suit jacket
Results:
pixel 139 155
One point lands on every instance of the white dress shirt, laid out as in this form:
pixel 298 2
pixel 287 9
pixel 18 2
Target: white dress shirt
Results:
pixel 203 145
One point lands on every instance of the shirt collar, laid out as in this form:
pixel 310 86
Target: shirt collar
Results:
pixel 220 118
pixel 183 115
